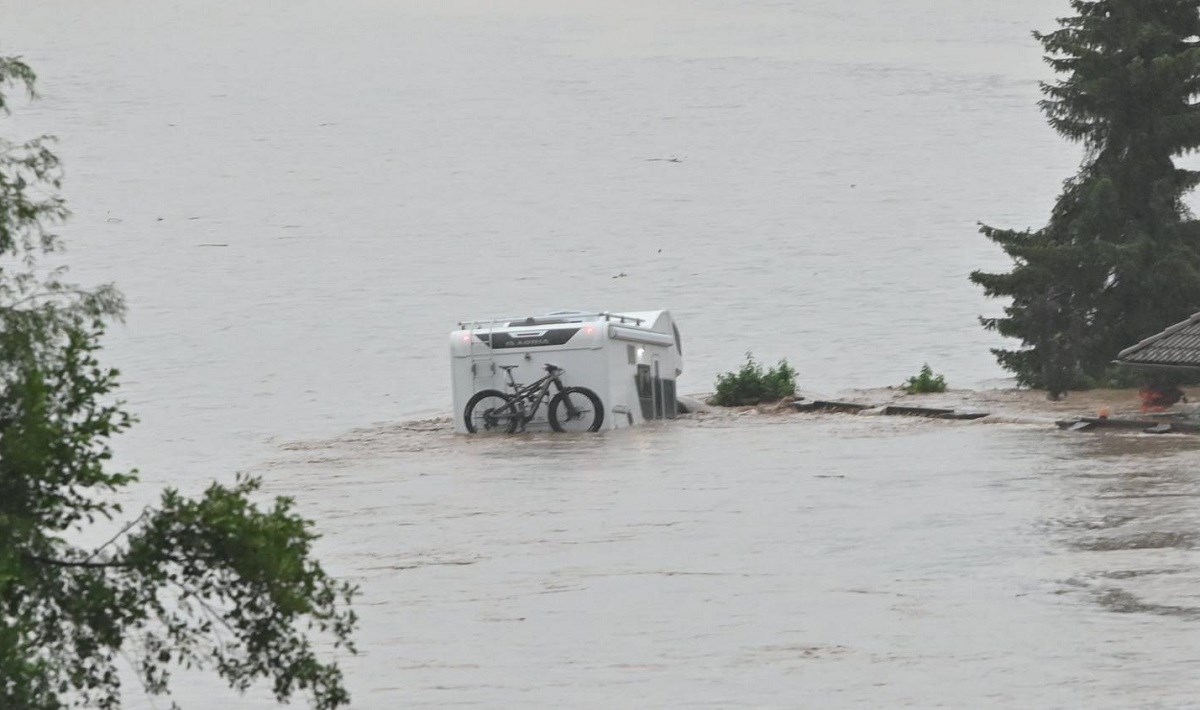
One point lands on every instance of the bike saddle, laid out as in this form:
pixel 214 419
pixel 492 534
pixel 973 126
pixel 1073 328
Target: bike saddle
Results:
pixel 552 368
pixel 509 367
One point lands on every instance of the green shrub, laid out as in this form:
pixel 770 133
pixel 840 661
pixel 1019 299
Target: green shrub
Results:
pixel 752 384
pixel 925 381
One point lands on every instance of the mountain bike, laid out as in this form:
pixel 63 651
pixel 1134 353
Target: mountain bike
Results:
pixel 570 409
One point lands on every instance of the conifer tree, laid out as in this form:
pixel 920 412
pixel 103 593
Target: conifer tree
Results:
pixel 1120 257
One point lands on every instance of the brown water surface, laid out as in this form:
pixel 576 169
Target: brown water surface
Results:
pixel 301 198
pixel 753 560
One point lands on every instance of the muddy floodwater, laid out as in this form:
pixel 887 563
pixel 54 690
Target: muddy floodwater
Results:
pixel 757 560
pixel 301 198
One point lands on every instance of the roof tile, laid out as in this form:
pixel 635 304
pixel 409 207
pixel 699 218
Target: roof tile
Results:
pixel 1177 345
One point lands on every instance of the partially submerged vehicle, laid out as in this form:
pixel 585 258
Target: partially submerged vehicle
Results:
pixel 630 361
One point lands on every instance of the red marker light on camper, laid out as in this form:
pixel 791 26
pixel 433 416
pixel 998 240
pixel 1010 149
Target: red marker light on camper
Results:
pixel 589 330
pixel 467 338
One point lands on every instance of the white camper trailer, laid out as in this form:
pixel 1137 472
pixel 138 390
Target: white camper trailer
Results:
pixel 630 360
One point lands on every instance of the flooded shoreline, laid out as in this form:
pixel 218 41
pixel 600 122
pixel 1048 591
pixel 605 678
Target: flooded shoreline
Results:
pixel 750 558
pixel 1022 408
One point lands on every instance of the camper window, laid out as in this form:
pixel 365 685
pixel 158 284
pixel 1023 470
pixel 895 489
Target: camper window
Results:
pixel 645 384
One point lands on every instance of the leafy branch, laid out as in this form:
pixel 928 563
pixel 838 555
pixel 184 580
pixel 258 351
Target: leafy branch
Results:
pixel 216 581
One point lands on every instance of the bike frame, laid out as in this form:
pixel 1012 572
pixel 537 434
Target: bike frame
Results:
pixel 535 393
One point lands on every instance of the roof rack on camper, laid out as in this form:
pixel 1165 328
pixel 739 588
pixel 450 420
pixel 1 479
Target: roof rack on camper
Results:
pixel 554 318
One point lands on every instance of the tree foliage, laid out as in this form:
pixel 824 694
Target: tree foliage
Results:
pixel 752 384
pixel 214 582
pixel 1120 257
pixel 925 382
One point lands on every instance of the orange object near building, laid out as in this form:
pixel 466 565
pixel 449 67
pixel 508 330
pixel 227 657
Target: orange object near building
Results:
pixel 1158 399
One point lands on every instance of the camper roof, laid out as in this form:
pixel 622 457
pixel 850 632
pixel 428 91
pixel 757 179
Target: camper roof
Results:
pixel 560 317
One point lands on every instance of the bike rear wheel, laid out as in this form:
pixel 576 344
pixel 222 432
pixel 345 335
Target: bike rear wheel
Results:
pixel 576 409
pixel 491 411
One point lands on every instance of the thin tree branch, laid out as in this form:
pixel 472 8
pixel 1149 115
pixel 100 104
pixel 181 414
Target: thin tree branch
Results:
pixel 73 563
pixel 121 532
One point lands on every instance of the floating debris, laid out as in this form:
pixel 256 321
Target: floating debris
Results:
pixel 820 405
pixel 1149 426
pixel 891 410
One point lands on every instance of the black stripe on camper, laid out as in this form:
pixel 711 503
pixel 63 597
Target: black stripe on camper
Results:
pixel 501 341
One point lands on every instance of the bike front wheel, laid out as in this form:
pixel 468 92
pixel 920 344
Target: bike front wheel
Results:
pixel 576 409
pixel 490 411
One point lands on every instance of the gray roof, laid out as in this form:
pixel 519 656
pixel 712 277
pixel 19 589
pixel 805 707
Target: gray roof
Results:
pixel 1177 346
